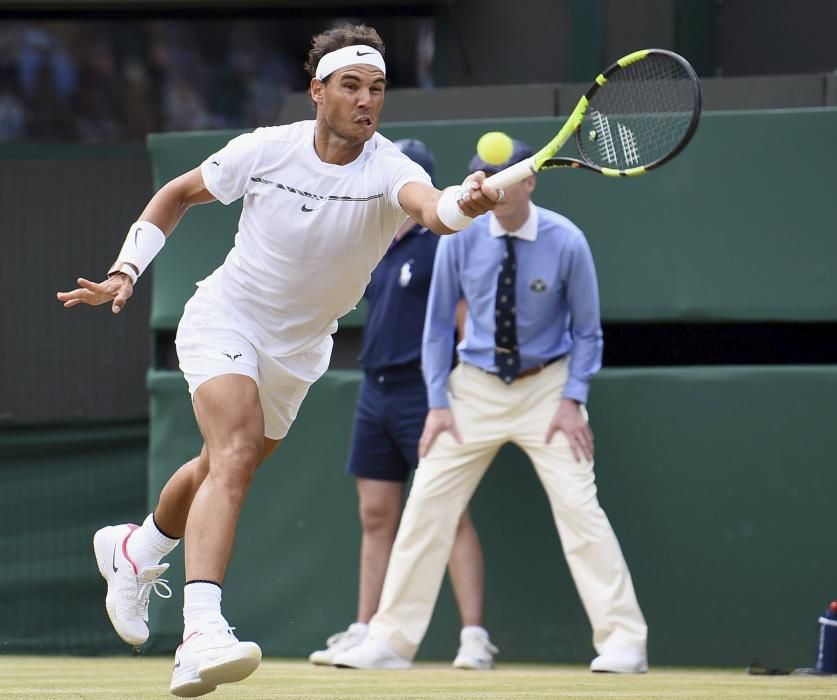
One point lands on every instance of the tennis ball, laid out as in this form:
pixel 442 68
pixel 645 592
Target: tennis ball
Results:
pixel 495 147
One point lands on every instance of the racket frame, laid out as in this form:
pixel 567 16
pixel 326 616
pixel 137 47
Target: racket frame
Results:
pixel 544 159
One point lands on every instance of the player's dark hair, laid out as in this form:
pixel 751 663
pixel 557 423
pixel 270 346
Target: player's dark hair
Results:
pixel 337 38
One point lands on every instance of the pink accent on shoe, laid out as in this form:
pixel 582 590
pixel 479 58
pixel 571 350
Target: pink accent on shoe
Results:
pixel 125 548
pixel 189 637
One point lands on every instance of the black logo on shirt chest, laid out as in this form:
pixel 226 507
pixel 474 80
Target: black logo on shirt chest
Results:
pixel 314 196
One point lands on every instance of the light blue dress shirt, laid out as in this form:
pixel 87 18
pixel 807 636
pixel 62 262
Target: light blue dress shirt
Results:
pixel 557 301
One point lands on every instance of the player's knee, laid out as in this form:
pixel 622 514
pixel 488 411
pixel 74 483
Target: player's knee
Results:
pixel 200 465
pixel 235 463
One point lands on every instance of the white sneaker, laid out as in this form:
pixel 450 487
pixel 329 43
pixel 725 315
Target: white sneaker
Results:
pixel 476 652
pixel 371 653
pixel 129 588
pixel 209 657
pixel 341 641
pixel 620 660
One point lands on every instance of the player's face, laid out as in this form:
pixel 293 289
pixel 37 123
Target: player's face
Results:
pixel 351 102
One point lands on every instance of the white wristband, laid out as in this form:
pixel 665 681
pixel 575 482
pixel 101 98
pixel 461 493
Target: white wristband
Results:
pixel 143 242
pixel 448 209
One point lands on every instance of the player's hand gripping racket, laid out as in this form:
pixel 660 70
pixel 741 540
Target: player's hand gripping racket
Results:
pixel 637 115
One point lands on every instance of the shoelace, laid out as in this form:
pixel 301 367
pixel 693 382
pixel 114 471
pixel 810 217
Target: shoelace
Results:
pixel 161 588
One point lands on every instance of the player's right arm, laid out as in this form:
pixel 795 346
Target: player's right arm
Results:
pixel 159 218
pixel 450 210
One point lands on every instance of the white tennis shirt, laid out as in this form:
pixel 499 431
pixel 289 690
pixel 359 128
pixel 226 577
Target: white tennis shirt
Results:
pixel 310 233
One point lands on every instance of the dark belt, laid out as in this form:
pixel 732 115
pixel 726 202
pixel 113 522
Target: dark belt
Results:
pixel 394 373
pixel 531 371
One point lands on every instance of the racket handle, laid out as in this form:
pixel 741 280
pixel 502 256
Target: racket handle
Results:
pixel 513 174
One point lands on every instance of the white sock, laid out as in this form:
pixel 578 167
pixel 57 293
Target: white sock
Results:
pixel 360 627
pixel 201 600
pixel 147 545
pixel 476 629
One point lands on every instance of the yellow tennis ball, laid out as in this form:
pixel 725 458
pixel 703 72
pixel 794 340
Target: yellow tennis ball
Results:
pixel 495 147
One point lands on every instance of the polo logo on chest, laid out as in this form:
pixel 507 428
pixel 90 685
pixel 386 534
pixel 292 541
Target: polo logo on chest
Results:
pixel 406 274
pixel 538 285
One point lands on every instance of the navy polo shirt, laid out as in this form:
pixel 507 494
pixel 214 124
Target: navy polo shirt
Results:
pixel 397 301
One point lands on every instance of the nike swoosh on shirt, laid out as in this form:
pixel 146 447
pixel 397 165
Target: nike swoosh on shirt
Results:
pixel 306 208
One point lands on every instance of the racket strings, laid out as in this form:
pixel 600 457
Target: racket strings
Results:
pixel 640 115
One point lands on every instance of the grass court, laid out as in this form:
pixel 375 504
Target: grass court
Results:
pixel 48 677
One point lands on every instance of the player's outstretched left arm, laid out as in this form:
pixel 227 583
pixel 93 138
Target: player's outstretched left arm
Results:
pixel 145 239
pixel 451 209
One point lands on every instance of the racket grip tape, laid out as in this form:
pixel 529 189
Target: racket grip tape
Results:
pixel 513 174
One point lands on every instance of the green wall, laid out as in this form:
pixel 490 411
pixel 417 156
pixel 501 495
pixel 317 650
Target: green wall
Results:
pixel 60 485
pixel 718 481
pixel 738 227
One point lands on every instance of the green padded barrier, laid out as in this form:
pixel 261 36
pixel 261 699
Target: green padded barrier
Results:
pixel 716 235
pixel 719 483
pixel 60 485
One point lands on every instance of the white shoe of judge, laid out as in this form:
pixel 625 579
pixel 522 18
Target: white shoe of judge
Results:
pixel 620 660
pixel 341 641
pixel 372 653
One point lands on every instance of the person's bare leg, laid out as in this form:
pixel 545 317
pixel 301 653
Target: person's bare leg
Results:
pixel 176 497
pixel 229 414
pixel 230 417
pixel 380 504
pixel 467 572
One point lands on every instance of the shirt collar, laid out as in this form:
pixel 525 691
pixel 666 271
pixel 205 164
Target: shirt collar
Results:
pixel 528 232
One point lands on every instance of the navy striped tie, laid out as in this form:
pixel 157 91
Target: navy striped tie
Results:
pixel 506 352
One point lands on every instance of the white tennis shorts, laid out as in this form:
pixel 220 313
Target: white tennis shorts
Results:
pixel 211 341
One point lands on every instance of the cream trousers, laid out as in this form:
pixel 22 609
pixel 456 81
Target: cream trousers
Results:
pixel 488 414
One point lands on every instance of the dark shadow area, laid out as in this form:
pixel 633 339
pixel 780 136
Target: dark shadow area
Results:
pixel 648 345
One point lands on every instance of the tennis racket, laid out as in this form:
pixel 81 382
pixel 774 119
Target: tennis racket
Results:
pixel 638 114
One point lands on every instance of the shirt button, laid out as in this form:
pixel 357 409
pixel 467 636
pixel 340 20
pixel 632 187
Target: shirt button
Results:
pixel 380 379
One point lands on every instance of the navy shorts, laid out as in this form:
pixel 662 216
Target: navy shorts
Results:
pixel 389 418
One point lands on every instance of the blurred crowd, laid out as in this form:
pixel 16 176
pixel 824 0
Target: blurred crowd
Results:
pixel 112 81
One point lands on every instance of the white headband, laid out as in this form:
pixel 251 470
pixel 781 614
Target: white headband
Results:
pixel 347 56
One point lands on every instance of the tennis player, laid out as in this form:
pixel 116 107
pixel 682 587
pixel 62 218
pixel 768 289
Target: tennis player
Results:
pixel 322 202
